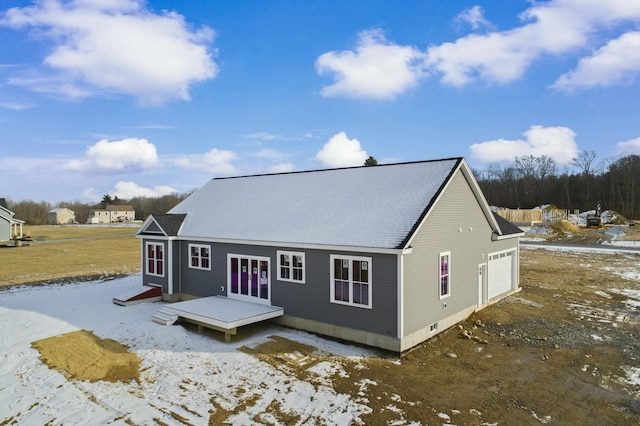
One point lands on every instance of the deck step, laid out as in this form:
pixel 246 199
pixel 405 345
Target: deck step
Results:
pixel 164 317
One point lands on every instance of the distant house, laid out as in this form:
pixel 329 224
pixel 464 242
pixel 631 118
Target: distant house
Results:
pixel 10 227
pixel 387 255
pixel 61 216
pixel 112 213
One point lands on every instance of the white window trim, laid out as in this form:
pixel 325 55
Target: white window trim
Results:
pixel 304 266
pixel 164 258
pixel 332 285
pixel 440 295
pixel 199 246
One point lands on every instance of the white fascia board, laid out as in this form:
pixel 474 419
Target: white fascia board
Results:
pixel 477 192
pixel 426 216
pixel 145 224
pixel 480 197
pixel 496 237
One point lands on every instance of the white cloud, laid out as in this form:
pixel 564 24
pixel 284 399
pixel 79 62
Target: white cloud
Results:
pixel 618 62
pixel 631 146
pixel 376 68
pixel 15 106
pixel 282 168
pixel 215 161
pixel 474 16
pixel 115 47
pixel 340 151
pixel 555 142
pixel 262 136
pixel 553 28
pixel 126 154
pixel 127 190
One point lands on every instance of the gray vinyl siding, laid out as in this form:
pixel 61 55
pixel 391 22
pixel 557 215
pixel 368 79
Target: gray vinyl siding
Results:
pixel 5 229
pixel 310 300
pixel 456 224
pixel 201 283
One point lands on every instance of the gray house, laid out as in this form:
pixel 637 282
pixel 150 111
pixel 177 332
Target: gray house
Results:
pixel 10 227
pixel 386 255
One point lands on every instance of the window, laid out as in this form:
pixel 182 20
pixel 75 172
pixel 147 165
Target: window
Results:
pixel 155 259
pixel 291 266
pixel 445 275
pixel 199 256
pixel 351 280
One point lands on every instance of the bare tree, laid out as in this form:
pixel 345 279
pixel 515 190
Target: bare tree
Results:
pixel 584 161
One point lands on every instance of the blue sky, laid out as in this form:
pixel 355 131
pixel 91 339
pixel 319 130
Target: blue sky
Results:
pixel 143 98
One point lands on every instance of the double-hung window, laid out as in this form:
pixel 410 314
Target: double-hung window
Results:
pixel 200 256
pixel 445 274
pixel 291 266
pixel 351 280
pixel 155 259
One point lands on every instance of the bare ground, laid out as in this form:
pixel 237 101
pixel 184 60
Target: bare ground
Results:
pixel 561 351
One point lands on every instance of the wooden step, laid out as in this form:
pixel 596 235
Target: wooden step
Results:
pixel 164 317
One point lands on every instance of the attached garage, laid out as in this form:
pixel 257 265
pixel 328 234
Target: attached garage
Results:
pixel 501 272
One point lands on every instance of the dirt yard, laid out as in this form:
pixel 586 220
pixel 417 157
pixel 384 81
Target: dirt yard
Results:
pixel 564 350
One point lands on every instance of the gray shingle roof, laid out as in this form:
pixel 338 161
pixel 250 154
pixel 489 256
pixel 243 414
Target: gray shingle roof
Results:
pixel 376 206
pixel 507 227
pixel 170 223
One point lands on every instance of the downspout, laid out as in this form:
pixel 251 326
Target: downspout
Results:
pixel 400 294
pixel 170 265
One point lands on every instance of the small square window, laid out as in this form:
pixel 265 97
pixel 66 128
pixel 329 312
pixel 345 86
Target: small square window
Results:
pixel 199 256
pixel 291 266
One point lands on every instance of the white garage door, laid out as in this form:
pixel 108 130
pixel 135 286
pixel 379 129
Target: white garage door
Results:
pixel 500 273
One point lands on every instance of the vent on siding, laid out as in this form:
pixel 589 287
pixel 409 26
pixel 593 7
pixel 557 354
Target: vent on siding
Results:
pixel 433 327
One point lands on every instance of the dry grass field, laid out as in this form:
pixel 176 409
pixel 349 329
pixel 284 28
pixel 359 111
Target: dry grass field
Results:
pixel 71 253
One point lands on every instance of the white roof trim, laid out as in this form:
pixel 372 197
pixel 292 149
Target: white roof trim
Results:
pixel 145 225
pixel 280 244
pixel 475 188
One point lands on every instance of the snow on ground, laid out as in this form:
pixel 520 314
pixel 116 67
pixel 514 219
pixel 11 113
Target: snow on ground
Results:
pixel 183 374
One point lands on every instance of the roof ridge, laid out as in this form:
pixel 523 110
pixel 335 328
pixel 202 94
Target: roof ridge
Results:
pixel 402 163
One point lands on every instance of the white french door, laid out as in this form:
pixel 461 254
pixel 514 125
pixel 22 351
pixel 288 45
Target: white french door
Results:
pixel 249 278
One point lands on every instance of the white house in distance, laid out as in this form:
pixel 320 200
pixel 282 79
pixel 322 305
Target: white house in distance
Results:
pixel 61 216
pixel 388 255
pixel 112 213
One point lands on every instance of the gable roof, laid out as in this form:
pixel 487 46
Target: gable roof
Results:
pixel 119 208
pixel 507 228
pixel 162 224
pixel 374 207
pixel 60 209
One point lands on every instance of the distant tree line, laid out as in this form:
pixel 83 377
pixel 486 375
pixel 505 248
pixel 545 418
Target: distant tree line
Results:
pixel 531 181
pixel 36 213
pixel 528 182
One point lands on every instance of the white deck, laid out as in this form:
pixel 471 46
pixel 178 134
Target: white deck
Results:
pixel 223 312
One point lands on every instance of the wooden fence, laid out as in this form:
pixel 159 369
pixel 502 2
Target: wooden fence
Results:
pixel 531 217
